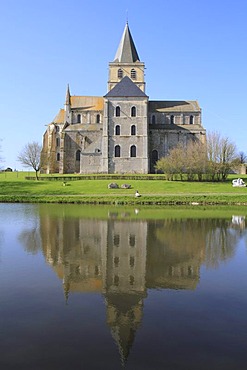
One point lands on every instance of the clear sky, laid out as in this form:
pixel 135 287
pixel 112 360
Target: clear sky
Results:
pixel 192 50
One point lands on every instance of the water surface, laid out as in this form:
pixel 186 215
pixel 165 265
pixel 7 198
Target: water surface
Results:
pixel 121 291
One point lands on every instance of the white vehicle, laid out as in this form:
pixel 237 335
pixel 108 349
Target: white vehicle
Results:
pixel 238 183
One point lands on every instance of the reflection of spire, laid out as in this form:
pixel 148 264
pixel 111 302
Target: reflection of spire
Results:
pixel 66 289
pixel 124 315
pixel 124 338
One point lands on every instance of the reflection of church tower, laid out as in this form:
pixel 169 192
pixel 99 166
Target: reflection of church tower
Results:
pixel 124 285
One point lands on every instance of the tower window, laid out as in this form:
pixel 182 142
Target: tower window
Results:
pixel 78 118
pixel 58 156
pixel 153 119
pixel 57 141
pixel 117 111
pixel 120 73
pixel 133 151
pixel 172 120
pixel 117 130
pixel 98 118
pixel 133 112
pixel 191 120
pixel 133 74
pixel 133 130
pixel 117 151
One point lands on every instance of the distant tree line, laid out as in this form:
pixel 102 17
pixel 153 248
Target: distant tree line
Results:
pixel 212 161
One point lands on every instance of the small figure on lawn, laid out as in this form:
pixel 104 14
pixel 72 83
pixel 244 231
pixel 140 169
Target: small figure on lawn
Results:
pixel 137 194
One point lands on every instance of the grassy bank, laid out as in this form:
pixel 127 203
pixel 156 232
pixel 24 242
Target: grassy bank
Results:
pixel 15 188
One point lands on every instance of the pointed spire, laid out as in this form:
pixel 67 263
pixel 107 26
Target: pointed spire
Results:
pixel 126 52
pixel 67 99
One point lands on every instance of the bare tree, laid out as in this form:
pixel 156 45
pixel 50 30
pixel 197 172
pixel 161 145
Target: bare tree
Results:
pixel 30 156
pixel 221 154
pixel 173 164
pixel 195 160
pixel 242 157
pixel 190 160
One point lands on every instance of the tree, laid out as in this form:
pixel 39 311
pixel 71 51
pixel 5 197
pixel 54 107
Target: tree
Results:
pixel 242 157
pixel 173 163
pixel 195 160
pixel 190 160
pixel 221 155
pixel 30 156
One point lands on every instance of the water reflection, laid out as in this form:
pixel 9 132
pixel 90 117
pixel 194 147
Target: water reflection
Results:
pixel 122 259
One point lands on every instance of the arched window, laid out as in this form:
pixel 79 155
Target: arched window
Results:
pixel 191 120
pixel 78 155
pixel 117 151
pixel 133 130
pixel 78 118
pixel 120 73
pixel 58 156
pixel 98 118
pixel 57 141
pixel 117 111
pixel 133 151
pixel 133 74
pixel 133 112
pixel 153 119
pixel 172 120
pixel 117 130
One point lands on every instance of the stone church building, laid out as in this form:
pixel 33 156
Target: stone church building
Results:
pixel 123 131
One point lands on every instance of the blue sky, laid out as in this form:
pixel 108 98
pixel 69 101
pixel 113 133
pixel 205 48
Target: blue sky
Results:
pixel 192 50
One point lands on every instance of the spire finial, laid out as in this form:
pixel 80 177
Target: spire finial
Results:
pixel 127 17
pixel 67 98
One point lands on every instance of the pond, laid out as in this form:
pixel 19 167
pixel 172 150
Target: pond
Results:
pixel 98 288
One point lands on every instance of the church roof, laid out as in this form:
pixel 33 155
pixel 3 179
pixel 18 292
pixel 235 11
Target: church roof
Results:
pixel 88 103
pixel 126 52
pixel 126 88
pixel 59 117
pixel 173 106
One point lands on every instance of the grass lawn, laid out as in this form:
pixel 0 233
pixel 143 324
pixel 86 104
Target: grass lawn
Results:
pixel 14 187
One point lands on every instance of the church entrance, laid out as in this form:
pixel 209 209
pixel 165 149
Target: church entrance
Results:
pixel 77 161
pixel 154 159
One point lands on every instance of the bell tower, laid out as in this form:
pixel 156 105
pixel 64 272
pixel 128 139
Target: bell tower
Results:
pixel 126 63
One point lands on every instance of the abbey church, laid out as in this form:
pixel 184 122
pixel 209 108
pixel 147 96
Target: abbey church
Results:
pixel 123 131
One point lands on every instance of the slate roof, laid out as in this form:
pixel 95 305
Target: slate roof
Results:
pixel 126 88
pixel 173 106
pixel 126 52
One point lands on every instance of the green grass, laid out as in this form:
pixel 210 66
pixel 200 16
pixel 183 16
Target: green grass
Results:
pixel 14 188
